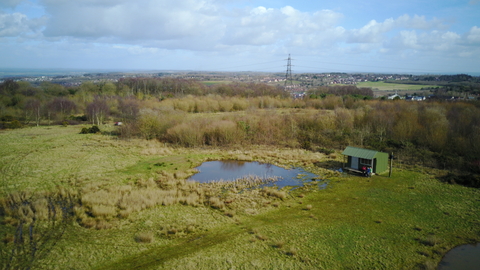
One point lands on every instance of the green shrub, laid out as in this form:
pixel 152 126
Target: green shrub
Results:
pixel 14 124
pixel 93 129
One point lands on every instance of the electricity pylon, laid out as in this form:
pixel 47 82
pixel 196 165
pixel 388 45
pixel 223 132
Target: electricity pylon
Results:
pixel 288 75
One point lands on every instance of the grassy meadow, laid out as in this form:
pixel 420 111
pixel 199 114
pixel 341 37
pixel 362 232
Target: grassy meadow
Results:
pixel 215 82
pixel 131 207
pixel 391 86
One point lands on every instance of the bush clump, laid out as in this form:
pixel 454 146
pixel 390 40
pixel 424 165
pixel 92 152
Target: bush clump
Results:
pixel 14 124
pixel 93 130
pixel 469 180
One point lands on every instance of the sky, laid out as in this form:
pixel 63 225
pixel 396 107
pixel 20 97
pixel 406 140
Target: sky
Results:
pixel 409 36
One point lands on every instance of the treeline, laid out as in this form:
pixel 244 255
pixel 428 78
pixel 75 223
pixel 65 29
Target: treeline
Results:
pixel 446 85
pixel 172 87
pixel 448 78
pixel 323 91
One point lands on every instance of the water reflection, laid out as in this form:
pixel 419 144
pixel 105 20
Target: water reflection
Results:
pixel 232 165
pixel 232 169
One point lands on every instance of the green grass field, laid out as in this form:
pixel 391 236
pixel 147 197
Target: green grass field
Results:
pixel 391 86
pixel 407 221
pixel 209 83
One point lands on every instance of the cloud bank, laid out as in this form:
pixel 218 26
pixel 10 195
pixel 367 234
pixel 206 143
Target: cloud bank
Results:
pixel 210 26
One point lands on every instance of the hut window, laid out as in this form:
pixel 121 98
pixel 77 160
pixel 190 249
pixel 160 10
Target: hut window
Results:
pixel 365 161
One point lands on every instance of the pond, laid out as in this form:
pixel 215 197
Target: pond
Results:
pixel 463 257
pixel 229 170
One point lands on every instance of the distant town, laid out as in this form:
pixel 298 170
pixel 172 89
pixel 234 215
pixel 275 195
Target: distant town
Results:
pixel 403 86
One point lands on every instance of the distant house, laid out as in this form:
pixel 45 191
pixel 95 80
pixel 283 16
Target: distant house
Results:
pixel 356 158
pixel 419 98
pixel 394 96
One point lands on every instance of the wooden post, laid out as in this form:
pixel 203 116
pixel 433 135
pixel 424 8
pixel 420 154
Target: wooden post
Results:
pixel 391 164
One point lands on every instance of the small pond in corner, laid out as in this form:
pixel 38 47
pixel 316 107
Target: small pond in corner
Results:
pixel 463 257
pixel 229 170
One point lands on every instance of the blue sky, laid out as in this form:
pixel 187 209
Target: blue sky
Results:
pixel 421 36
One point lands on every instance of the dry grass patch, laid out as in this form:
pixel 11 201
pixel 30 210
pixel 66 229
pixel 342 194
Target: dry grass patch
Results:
pixel 261 237
pixel 144 237
pixel 104 211
pixel 431 240
pixel 273 192
pixel 216 202
pixel 278 244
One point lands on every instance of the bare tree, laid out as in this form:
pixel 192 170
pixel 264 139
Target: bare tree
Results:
pixel 60 107
pixel 33 109
pixel 98 110
pixel 128 108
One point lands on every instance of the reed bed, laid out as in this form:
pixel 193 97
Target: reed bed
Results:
pixel 250 181
pixel 99 207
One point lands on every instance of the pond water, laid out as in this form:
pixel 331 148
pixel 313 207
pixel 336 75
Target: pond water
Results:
pixel 229 170
pixel 463 257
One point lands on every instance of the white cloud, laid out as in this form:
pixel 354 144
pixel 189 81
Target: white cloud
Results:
pixel 211 27
pixel 17 24
pixel 409 39
pixel 473 36
pixel 418 22
pixel 132 20
pixel 262 26
pixel 375 32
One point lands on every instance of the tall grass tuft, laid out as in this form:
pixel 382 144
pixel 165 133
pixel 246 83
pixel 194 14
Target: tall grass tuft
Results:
pixel 216 202
pixel 291 251
pixel 431 240
pixel 273 192
pixel 104 211
pixel 144 237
